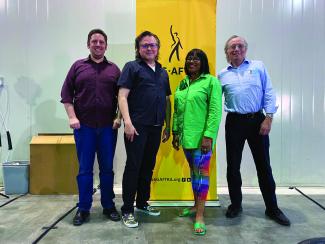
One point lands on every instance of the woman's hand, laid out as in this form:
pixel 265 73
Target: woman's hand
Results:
pixel 176 142
pixel 206 145
pixel 166 134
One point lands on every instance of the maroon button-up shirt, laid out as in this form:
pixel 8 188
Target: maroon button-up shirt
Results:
pixel 92 89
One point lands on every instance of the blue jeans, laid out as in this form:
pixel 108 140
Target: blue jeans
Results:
pixel 88 142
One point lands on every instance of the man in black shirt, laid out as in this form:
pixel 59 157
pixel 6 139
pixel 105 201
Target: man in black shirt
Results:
pixel 144 103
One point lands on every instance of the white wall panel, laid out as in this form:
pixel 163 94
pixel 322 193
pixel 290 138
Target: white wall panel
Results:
pixel 40 39
pixel 288 35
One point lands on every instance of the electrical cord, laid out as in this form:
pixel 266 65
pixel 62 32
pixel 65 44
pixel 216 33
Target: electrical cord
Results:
pixel 4 117
pixel 7 132
pixel 53 226
pixel 309 198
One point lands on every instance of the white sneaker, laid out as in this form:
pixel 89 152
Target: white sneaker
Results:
pixel 149 210
pixel 129 220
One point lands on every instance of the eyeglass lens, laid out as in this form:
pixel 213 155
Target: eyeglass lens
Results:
pixel 193 58
pixel 151 45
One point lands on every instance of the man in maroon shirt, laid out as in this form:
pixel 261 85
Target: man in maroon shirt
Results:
pixel 89 95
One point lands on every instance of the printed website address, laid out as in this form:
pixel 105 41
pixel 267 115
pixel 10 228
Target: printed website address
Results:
pixel 166 179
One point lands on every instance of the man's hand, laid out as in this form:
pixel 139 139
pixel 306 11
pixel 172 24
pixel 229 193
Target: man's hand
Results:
pixel 266 126
pixel 74 123
pixel 176 142
pixel 166 134
pixel 130 131
pixel 116 123
pixel 73 120
pixel 206 145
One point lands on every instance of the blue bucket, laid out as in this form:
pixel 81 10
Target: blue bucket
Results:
pixel 16 177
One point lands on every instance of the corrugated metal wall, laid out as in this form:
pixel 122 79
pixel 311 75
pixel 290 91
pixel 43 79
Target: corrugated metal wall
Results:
pixel 40 40
pixel 289 36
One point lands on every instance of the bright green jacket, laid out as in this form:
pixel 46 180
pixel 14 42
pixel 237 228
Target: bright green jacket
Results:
pixel 197 110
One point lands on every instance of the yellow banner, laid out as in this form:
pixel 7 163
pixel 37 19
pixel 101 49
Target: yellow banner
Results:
pixel 181 25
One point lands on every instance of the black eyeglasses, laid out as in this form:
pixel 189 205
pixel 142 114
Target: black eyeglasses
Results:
pixel 193 59
pixel 151 45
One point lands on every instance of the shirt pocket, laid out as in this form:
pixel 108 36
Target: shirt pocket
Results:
pixel 252 77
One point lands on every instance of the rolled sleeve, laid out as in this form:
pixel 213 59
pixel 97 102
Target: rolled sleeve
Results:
pixel 269 98
pixel 67 91
pixel 214 109
pixel 175 120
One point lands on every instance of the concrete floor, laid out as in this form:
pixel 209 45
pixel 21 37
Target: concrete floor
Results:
pixel 22 220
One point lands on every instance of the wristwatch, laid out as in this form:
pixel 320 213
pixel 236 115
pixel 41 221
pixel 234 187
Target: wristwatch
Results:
pixel 269 115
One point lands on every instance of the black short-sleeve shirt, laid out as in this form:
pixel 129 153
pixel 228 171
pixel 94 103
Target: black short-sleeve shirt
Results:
pixel 148 91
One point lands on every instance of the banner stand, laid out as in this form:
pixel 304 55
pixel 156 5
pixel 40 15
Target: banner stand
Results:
pixel 181 25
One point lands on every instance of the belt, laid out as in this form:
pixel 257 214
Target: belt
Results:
pixel 248 115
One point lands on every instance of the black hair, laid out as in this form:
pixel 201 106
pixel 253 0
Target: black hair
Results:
pixel 96 31
pixel 139 38
pixel 204 69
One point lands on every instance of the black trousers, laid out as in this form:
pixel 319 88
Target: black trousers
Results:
pixel 240 128
pixel 140 162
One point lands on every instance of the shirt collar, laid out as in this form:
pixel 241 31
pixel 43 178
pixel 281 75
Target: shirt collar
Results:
pixel 88 59
pixel 201 76
pixel 141 61
pixel 246 61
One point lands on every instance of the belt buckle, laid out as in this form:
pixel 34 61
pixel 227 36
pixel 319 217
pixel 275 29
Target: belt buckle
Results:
pixel 250 115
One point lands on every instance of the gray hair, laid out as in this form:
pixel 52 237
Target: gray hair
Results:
pixel 233 37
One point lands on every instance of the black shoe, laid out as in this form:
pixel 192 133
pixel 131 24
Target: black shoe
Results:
pixel 112 214
pixel 80 217
pixel 233 212
pixel 147 209
pixel 278 217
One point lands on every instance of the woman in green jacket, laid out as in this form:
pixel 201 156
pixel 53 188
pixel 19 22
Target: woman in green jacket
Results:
pixel 196 119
